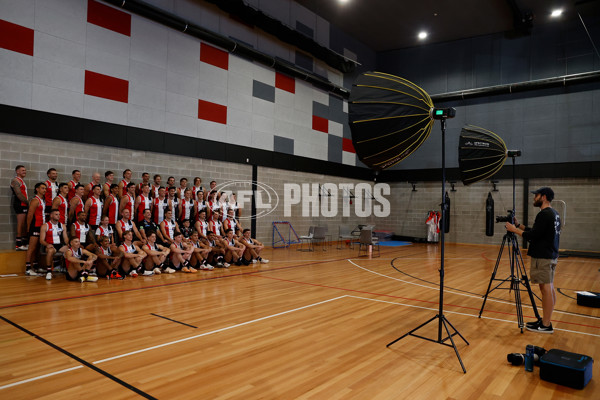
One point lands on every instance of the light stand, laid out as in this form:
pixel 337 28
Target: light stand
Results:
pixel 518 275
pixel 442 115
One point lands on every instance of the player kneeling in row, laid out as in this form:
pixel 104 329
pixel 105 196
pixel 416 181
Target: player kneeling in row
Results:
pixel 53 238
pixel 109 259
pixel 235 250
pixel 200 254
pixel 79 262
pixel 181 253
pixel 132 256
pixel 253 248
pixel 156 255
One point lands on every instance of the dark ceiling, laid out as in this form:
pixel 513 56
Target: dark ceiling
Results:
pixel 392 24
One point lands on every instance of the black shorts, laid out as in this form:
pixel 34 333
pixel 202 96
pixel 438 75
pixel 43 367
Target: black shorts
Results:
pixel 20 209
pixel 58 247
pixel 34 231
pixel 76 279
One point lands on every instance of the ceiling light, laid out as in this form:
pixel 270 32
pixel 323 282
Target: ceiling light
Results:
pixel 342 1
pixel 422 35
pixel 556 13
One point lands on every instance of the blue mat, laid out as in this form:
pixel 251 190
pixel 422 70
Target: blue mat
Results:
pixel 394 243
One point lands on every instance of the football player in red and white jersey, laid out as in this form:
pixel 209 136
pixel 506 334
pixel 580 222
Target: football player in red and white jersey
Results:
pixel 182 187
pixel 111 205
pixel 145 181
pixel 201 224
pixel 77 204
pixel 155 186
pixel 132 255
pixel 159 205
pixel 82 231
pixel 126 224
pixel 79 262
pixel 105 229
pixel 51 189
pixel 61 203
pixel 36 217
pixel 88 188
pixel 173 201
pixel 109 259
pixel 234 249
pixel 181 253
pixel 253 248
pixel 215 225
pixel 127 201
pixel 232 223
pixel 168 227
pixel 125 182
pixel 143 202
pixel 94 207
pixel 212 203
pixel 109 177
pixel 197 187
pixel 156 255
pixel 187 206
pixel 20 203
pixel 53 237
pixel 200 254
pixel 75 177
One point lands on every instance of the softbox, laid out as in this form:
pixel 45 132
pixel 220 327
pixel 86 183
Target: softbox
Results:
pixel 481 153
pixel 389 118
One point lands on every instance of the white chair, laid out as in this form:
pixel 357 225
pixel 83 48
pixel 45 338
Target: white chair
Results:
pixel 345 233
pixel 307 239
pixel 366 240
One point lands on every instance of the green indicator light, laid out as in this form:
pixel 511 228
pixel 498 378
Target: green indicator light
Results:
pixel 439 112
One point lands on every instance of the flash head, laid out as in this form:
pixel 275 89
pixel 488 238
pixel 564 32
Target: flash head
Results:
pixel 442 113
pixel 513 153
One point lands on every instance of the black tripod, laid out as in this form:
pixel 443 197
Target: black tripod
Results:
pixel 442 321
pixel 518 275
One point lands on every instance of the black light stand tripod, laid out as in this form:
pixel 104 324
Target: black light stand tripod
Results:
pixel 441 114
pixel 518 275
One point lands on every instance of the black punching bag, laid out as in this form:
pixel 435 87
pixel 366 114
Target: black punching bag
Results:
pixel 489 215
pixel 447 213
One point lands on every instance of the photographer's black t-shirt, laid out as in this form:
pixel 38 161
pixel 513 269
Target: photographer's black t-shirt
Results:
pixel 544 236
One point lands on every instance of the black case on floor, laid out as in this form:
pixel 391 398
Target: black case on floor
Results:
pixel 565 368
pixel 589 301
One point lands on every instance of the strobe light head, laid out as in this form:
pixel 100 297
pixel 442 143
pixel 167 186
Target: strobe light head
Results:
pixel 513 153
pixel 442 113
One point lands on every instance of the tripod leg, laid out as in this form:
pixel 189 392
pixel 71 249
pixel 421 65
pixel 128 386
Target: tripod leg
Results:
pixel 409 333
pixel 452 341
pixel 525 280
pixel 493 277
pixel 457 332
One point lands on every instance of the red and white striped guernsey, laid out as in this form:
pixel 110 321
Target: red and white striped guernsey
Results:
pixel 63 208
pixel 72 185
pixel 187 206
pixel 129 248
pixel 180 192
pixel 51 191
pixel 125 225
pixel 203 226
pixel 124 191
pixel 95 211
pixel 106 251
pixel 216 227
pixel 80 206
pixel 129 204
pixel 102 231
pixel 145 203
pixel 169 228
pixel 154 191
pixel 200 206
pixel 158 209
pixel 81 231
pixel 54 233
pixel 113 209
pixel 23 189
pixel 39 217
pixel 76 253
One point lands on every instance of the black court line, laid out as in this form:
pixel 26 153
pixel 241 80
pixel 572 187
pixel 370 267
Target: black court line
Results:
pixel 79 360
pixel 174 320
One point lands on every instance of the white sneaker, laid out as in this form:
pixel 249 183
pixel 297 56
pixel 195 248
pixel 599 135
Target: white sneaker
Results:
pixel 264 261
pixel 133 273
pixel 226 265
pixel 49 276
pixel 31 272
pixel 157 271
pixel 169 270
pixel 23 248
pixel 207 267
pixel 91 278
pixel 148 273
pixel 254 261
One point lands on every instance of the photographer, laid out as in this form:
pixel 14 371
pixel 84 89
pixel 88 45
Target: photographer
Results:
pixel 543 238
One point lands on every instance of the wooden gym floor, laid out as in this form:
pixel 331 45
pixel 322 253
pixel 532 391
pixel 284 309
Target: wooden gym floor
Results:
pixel 305 326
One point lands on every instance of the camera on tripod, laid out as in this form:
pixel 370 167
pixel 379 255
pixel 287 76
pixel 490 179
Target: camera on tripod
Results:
pixel 508 218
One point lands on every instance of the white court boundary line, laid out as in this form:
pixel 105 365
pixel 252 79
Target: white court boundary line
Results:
pixel 263 319
pixel 465 294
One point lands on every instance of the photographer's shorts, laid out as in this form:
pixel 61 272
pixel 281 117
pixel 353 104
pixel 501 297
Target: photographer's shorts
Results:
pixel 542 270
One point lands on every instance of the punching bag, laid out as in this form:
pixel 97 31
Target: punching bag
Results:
pixel 489 215
pixel 447 213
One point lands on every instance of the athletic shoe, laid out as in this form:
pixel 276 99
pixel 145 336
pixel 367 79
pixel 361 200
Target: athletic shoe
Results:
pixel 533 323
pixel 254 261
pixel 219 264
pixel 93 273
pixel 264 261
pixel 148 273
pixel 49 276
pixel 22 248
pixel 82 279
pixel 207 267
pixel 133 273
pixel 169 270
pixel 185 269
pixel 539 327
pixel 115 275
pixel 245 262
pixel 157 271
pixel 226 265
pixel 31 272
pixel 90 278
pixel 238 262
pixel 192 270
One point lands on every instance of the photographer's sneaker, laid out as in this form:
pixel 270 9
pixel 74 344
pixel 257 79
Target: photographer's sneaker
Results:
pixel 533 323
pixel 539 327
